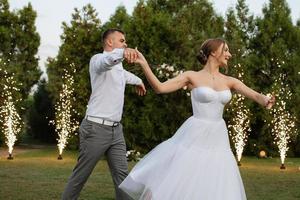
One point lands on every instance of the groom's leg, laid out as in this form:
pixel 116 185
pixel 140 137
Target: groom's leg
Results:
pixel 95 139
pixel 117 161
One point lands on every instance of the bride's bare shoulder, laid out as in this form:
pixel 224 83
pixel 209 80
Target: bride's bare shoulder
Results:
pixel 231 81
pixel 190 73
pixel 229 78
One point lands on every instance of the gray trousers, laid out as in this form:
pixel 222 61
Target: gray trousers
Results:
pixel 95 141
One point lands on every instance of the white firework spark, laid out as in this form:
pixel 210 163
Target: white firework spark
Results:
pixel 239 125
pixel 283 123
pixel 65 125
pixel 10 119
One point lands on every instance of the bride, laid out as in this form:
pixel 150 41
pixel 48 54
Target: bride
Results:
pixel 197 162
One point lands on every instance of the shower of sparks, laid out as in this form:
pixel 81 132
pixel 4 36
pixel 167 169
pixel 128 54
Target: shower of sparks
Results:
pixel 10 119
pixel 64 124
pixel 283 123
pixel 239 125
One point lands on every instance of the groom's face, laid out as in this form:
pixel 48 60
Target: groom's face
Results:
pixel 118 40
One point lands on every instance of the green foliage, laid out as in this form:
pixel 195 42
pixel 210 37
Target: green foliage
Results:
pixel 40 114
pixel 119 20
pixel 19 45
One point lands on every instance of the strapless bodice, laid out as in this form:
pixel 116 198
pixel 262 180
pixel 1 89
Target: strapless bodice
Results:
pixel 208 103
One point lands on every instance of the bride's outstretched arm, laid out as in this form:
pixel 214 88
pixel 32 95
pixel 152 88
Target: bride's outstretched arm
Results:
pixel 262 99
pixel 162 87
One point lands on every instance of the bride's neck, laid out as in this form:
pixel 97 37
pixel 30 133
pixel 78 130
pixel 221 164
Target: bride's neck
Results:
pixel 211 68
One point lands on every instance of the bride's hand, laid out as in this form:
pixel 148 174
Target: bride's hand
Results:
pixel 140 57
pixel 270 102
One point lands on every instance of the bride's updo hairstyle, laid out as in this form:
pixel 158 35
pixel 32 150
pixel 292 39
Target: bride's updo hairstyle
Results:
pixel 208 47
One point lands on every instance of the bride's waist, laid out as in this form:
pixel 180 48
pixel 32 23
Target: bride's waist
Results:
pixel 208 118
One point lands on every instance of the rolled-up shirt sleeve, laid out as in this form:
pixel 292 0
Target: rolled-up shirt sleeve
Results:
pixel 132 79
pixel 106 61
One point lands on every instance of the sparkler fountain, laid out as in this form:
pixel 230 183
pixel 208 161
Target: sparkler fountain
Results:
pixel 64 124
pixel 239 125
pixel 283 123
pixel 10 119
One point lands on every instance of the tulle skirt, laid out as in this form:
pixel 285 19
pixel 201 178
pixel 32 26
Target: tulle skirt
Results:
pixel 195 164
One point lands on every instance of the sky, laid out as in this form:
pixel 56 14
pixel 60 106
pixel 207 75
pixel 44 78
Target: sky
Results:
pixel 51 14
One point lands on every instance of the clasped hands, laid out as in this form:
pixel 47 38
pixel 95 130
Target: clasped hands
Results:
pixel 132 55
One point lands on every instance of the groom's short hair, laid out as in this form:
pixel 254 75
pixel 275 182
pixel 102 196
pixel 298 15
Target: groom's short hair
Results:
pixel 110 31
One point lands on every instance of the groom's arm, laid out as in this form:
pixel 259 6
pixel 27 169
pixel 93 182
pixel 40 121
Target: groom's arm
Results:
pixel 131 78
pixel 106 61
pixel 134 80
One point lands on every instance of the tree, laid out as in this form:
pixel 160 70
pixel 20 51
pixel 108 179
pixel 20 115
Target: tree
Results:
pixel 80 40
pixel 19 45
pixel 40 114
pixel 275 53
pixel 120 19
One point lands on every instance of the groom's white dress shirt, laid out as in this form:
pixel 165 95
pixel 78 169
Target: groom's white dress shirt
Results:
pixel 108 80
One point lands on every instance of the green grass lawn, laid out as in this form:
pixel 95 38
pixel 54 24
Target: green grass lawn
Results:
pixel 36 174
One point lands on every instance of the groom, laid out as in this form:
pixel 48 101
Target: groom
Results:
pixel 101 132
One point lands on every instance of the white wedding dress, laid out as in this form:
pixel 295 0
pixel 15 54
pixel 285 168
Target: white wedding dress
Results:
pixel 196 163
